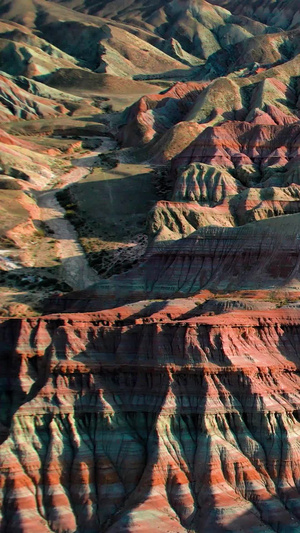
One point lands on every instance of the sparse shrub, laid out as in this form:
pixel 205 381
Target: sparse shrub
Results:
pixel 70 213
pixel 163 182
pixel 40 232
pixel 118 260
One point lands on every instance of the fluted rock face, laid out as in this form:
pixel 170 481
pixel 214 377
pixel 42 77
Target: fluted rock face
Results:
pixel 237 144
pixel 150 424
pixel 205 184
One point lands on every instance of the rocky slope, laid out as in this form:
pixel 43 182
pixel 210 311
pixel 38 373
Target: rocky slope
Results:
pixel 164 397
pixel 136 424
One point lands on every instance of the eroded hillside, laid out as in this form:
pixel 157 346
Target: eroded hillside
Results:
pixel 149 266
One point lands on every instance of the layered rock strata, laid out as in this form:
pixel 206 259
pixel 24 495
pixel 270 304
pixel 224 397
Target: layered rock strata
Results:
pixel 260 255
pixel 150 424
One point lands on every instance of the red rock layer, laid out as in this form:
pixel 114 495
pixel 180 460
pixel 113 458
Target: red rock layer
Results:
pixel 156 113
pixel 235 144
pixel 165 426
pixel 214 258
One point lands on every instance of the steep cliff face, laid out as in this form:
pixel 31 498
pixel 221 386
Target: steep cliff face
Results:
pixel 150 424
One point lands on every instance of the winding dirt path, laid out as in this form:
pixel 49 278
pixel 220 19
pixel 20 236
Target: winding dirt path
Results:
pixel 75 270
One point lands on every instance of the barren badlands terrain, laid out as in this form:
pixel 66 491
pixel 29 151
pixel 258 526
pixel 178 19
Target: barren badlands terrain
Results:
pixel 150 266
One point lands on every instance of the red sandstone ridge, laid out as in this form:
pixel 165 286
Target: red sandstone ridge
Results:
pixel 156 113
pixel 105 424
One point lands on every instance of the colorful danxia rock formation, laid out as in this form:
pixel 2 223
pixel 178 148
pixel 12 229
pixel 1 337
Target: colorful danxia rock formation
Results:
pixel 150 266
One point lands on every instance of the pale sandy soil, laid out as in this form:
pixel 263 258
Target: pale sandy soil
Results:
pixel 75 270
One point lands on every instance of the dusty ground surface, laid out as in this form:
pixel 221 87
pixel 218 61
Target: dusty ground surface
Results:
pixel 110 216
pixel 41 249
pixel 84 221
pixel 75 270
